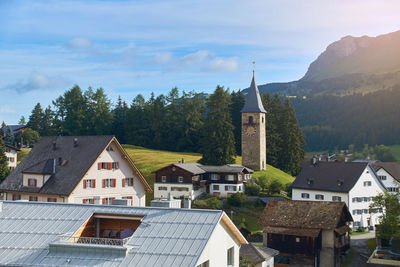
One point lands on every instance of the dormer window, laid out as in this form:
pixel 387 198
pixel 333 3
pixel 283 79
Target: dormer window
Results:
pixel 109 148
pixel 32 182
pixel 340 182
pixel 310 181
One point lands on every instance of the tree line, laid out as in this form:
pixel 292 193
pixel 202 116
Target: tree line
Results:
pixel 178 121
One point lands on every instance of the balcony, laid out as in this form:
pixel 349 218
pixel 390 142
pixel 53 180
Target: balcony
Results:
pixel 95 240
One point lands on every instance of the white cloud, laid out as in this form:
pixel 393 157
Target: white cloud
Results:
pixel 194 58
pixel 38 81
pixel 223 65
pixel 80 44
pixel 162 58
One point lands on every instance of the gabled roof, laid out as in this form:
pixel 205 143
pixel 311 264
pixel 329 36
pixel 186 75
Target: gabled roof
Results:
pixel 14 128
pixel 192 167
pixel 253 100
pixel 298 214
pixel 12 147
pixel 393 168
pixel 329 176
pixel 257 254
pixel 197 168
pixel 64 178
pixel 165 237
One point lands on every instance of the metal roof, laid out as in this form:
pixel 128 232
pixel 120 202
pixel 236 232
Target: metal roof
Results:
pixel 30 235
pixel 253 100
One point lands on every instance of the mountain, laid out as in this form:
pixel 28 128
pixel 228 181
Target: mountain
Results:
pixel 351 65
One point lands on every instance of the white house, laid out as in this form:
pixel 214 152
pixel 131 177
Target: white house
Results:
pixel 389 174
pixel 356 184
pixel 76 169
pixel 11 154
pixel 64 234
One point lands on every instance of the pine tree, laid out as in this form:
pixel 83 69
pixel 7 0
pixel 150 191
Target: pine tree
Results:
pixel 237 103
pixel 47 123
pixel 218 142
pixel 119 120
pixel 36 118
pixel 22 121
pixel 97 116
pixel 4 169
pixel 9 136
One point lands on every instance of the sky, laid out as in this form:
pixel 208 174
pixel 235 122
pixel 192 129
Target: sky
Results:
pixel 138 47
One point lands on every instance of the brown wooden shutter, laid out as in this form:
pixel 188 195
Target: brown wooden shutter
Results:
pixel 84 184
pixel 114 181
pixel 104 201
pixel 35 182
pixel 84 201
pixel 123 182
pixel 99 166
pixel 109 165
pixel 131 180
pixel 104 183
pixel 117 165
pixel 112 201
pixel 94 183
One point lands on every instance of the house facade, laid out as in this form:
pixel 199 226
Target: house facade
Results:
pixel 76 169
pixel 95 235
pixel 307 233
pixel 355 184
pixel 190 180
pixel 11 154
pixel 389 174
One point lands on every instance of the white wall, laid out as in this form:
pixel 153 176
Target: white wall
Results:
pixel 223 192
pixel 390 181
pixel 296 195
pixel 218 244
pixel 137 192
pixel 41 198
pixel 11 154
pixel 359 190
pixel 40 179
pixel 176 194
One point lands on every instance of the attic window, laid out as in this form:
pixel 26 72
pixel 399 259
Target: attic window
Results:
pixel 340 182
pixel 310 181
pixel 109 148
pixel 250 119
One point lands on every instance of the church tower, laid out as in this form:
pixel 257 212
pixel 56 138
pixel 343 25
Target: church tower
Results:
pixel 253 130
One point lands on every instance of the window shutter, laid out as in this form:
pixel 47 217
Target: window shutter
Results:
pixel 117 165
pixel 99 166
pixel 84 184
pixel 123 182
pixel 84 201
pixel 104 183
pixel 94 183
pixel 35 182
pixel 131 180
pixel 104 201
pixel 114 181
pixel 112 200
pixel 12 159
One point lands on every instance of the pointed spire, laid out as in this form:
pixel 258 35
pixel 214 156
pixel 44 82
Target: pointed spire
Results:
pixel 253 100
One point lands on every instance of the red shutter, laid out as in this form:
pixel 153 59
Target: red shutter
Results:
pixel 84 201
pixel 104 183
pixel 123 182
pixel 13 198
pixel 109 165
pixel 35 182
pixel 104 201
pixel 112 201
pixel 84 184
pixel 12 159
pixel 114 181
pixel 94 183
pixel 117 165
pixel 99 165
pixel 131 182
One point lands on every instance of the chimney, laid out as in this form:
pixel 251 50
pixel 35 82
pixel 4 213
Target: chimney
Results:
pixel 183 160
pixel 75 142
pixel 54 145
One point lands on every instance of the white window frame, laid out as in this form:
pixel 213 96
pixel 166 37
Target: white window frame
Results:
pixel 180 179
pixel 319 197
pixel 336 198
pixel 305 195
pixel 163 179
pixel 230 256
pixel 215 187
pixel 214 177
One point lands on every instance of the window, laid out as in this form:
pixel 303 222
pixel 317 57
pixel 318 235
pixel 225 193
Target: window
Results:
pixel 88 201
pixel 108 183
pixel 365 199
pixel 230 256
pixel 109 148
pixel 33 198
pixel 16 197
pixel 319 197
pixel 367 183
pixel 371 198
pixel 180 179
pixel 359 211
pixel 382 177
pixel 365 211
pixel 129 197
pixel 89 183
pixel 163 179
pixel 305 195
pixel 216 187
pixel 214 176
pixel 240 177
pixel 357 224
pixel 108 165
pixel 336 198
pixel 176 188
pixel 354 199
pixel 393 189
pixel 108 200
pixel 32 182
pixel 162 188
pixel 127 182
pixel 239 188
pixel 204 264
pixel 115 165
pixel 230 188
pixel 51 199
pixel 359 199
pixel 297 239
pixel 230 177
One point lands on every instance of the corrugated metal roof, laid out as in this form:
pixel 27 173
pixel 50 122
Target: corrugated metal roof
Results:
pixel 170 237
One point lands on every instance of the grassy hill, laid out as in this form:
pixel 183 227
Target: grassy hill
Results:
pixel 396 151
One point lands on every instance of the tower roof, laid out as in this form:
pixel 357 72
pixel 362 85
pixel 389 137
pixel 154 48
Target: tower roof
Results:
pixel 253 100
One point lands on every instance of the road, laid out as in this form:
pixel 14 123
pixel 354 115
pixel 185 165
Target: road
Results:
pixel 361 251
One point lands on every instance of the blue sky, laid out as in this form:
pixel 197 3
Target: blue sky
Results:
pixel 132 47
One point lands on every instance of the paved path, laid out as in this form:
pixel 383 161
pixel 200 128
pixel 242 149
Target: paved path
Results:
pixel 361 251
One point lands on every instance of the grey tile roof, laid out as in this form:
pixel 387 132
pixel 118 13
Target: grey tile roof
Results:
pixel 257 254
pixel 325 176
pixel 253 100
pixel 167 237
pixel 393 168
pixel 15 128
pixel 191 167
pixel 79 159
pixel 228 168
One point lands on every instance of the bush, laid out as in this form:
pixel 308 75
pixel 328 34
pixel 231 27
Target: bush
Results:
pixel 252 189
pixel 275 187
pixel 237 199
pixel 199 204
pixel 213 203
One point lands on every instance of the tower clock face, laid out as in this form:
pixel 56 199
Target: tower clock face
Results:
pixel 250 130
